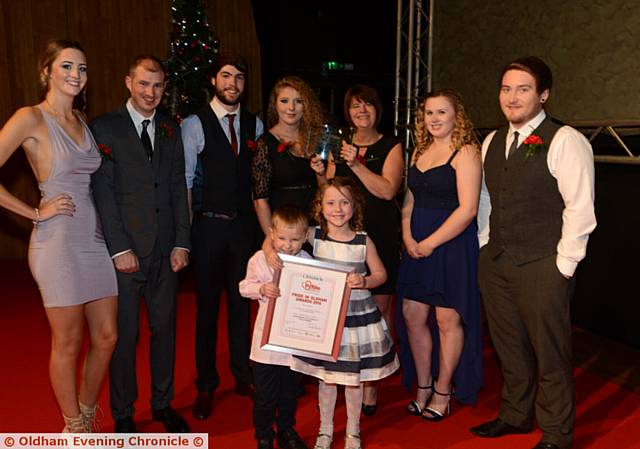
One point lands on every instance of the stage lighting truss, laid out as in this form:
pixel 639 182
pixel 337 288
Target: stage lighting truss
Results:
pixel 414 41
pixel 623 135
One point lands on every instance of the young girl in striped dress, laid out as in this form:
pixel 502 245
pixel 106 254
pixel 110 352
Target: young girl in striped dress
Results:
pixel 366 350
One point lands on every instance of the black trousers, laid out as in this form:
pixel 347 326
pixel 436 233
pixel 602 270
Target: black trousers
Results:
pixel 275 399
pixel 158 284
pixel 221 250
pixel 527 309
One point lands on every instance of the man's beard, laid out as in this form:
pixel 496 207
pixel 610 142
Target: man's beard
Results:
pixel 219 93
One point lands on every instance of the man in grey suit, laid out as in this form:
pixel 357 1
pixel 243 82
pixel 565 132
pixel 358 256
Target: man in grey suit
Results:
pixel 141 197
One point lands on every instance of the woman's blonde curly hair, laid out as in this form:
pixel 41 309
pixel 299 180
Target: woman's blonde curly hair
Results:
pixel 462 133
pixel 348 187
pixel 313 116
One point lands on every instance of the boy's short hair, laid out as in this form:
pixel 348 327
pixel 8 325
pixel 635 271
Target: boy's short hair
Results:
pixel 291 216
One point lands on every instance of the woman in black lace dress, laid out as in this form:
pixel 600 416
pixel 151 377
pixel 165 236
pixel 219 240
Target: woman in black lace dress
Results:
pixel 281 168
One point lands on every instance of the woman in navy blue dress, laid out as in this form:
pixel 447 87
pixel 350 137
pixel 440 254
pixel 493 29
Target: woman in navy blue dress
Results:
pixel 438 273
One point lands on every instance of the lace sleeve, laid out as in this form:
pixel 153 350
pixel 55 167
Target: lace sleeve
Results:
pixel 261 171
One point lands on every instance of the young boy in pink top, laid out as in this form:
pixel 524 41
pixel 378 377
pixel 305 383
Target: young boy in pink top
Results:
pixel 277 387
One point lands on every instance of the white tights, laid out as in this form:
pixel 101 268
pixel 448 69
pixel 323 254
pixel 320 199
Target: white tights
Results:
pixel 327 394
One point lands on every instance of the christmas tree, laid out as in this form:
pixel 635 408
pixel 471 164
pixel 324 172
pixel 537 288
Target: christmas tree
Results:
pixel 192 51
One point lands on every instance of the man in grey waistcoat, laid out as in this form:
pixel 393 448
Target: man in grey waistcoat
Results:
pixel 536 213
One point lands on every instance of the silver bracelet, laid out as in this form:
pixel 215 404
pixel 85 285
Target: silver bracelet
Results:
pixel 36 222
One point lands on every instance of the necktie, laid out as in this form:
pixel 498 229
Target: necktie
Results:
pixel 514 144
pixel 146 140
pixel 232 131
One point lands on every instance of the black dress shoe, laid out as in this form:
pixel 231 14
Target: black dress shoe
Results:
pixel 369 410
pixel 265 444
pixel 289 439
pixel 172 422
pixel 497 428
pixel 243 389
pixel 125 425
pixel 203 405
pixel 546 446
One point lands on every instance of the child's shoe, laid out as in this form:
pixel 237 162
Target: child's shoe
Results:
pixel 289 439
pixel 265 444
pixel 352 442
pixel 323 441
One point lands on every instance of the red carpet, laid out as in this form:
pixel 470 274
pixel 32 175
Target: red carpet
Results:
pixel 608 416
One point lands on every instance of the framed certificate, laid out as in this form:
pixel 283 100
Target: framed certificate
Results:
pixel 308 317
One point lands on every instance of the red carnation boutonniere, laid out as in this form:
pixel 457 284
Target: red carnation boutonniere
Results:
pixel 534 144
pixel 165 130
pixel 251 145
pixel 105 151
pixel 283 147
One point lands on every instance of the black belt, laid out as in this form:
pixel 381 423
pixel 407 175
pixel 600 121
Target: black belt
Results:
pixel 219 215
pixel 299 187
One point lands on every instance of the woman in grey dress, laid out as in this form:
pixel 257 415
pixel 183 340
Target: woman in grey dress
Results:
pixel 67 253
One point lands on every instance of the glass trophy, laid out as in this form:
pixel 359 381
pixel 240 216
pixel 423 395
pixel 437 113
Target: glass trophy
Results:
pixel 331 141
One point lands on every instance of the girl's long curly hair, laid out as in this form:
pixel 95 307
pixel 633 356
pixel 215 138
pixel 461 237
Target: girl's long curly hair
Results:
pixel 462 133
pixel 313 116
pixel 348 187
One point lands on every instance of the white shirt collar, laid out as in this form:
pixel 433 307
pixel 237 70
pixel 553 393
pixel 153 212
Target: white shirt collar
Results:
pixel 220 111
pixel 528 127
pixel 137 117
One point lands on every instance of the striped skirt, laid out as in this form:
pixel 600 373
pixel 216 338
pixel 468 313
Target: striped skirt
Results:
pixel 366 353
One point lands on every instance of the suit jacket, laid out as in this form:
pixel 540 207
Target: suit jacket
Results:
pixel 141 203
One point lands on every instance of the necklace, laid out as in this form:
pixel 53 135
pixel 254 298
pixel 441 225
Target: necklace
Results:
pixel 56 113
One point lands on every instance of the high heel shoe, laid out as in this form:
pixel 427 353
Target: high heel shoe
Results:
pixel 431 414
pixel 74 424
pixel 90 416
pixel 370 409
pixel 354 439
pixel 416 409
pixel 323 441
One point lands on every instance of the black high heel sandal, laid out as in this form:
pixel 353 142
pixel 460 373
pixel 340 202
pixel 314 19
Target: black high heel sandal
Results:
pixel 414 408
pixel 431 414
pixel 370 409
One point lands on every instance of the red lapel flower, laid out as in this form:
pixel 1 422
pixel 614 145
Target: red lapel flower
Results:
pixel 251 145
pixel 105 151
pixel 283 147
pixel 165 130
pixel 534 144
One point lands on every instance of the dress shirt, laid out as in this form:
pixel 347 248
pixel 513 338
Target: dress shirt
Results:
pixel 570 161
pixel 137 121
pixel 193 136
pixel 258 273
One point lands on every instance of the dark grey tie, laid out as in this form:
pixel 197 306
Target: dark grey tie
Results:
pixel 514 144
pixel 146 140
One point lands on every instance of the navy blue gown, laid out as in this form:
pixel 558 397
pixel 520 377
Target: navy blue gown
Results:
pixel 447 278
